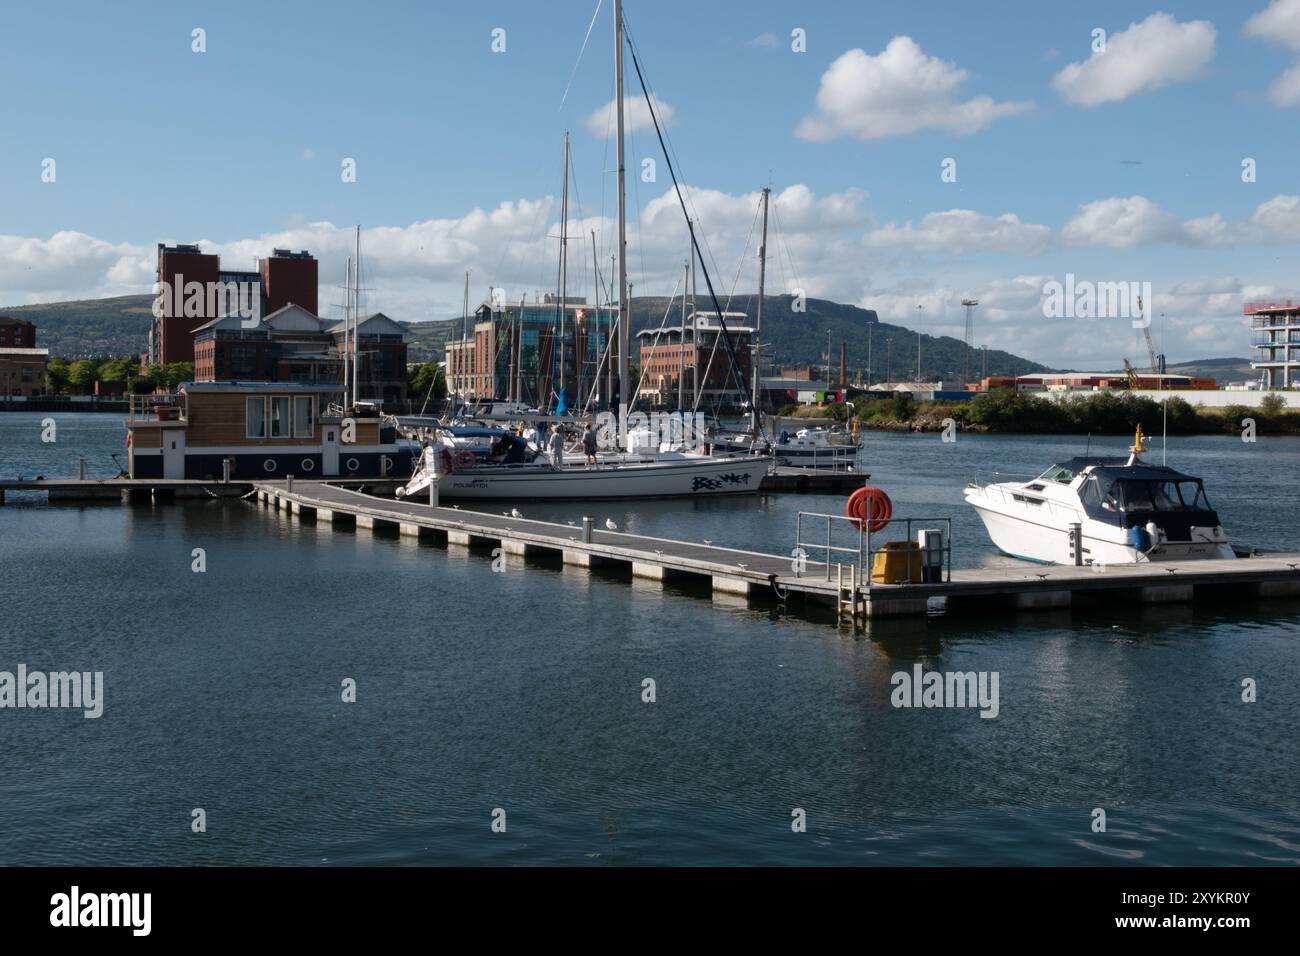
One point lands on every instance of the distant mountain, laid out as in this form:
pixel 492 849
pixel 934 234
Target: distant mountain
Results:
pixel 799 338
pixel 793 338
pixel 120 326
pixel 1224 370
pixel 90 328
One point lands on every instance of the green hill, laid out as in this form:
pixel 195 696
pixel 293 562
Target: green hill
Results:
pixel 120 325
pixel 90 328
pixel 799 338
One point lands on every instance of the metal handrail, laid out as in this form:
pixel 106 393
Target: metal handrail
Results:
pixel 864 551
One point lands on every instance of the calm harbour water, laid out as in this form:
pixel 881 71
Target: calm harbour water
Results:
pixel 522 690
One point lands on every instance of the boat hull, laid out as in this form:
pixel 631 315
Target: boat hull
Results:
pixel 705 478
pixel 1045 538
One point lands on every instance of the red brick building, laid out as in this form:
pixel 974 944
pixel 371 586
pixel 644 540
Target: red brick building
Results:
pixel 16 333
pixel 22 364
pixel 293 345
pixel 187 278
pixel 701 357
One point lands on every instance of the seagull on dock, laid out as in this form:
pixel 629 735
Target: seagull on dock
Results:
pixel 708 541
pixel 516 513
pixel 609 523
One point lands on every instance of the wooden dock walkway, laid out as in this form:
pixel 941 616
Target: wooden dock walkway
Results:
pixel 745 574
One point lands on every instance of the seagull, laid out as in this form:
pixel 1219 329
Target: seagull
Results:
pixel 742 566
pixel 708 541
pixel 609 523
pixel 1172 570
pixel 516 513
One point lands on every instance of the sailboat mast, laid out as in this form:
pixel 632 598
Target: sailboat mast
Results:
pixel 624 307
pixel 356 309
pixel 681 350
pixel 564 254
pixel 758 323
pixel 347 310
pixel 595 278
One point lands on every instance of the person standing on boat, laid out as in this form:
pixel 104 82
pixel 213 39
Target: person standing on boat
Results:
pixel 556 446
pixel 589 444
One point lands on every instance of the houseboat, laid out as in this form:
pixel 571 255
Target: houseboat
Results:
pixel 256 430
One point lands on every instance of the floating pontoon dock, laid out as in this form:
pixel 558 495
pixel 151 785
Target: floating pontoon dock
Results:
pixel 743 573
pixel 730 572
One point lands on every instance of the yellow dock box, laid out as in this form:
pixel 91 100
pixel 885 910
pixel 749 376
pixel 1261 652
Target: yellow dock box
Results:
pixel 892 562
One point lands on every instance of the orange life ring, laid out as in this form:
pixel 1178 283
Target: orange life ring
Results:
pixel 872 505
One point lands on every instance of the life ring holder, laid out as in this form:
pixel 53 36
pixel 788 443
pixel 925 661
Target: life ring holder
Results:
pixel 869 504
pixel 269 466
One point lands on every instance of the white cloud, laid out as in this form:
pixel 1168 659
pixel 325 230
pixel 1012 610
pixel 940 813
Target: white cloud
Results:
pixel 767 40
pixel 636 116
pixel 1149 55
pixel 895 93
pixel 1285 90
pixel 1279 22
pixel 959 231
pixel 1120 223
pixel 1123 223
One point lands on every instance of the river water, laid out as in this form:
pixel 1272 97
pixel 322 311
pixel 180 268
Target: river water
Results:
pixel 522 691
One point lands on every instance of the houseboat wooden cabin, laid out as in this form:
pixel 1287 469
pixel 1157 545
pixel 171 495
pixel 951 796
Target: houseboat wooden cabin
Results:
pixel 263 430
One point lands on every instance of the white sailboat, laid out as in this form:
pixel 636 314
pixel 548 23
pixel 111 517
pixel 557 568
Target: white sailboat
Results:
pixel 522 471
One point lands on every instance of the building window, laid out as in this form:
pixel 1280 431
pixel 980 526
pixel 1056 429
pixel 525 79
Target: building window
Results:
pixel 303 416
pixel 27 373
pixel 255 418
pixel 280 417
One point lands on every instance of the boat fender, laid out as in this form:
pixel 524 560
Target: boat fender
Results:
pixel 1138 538
pixel 869 504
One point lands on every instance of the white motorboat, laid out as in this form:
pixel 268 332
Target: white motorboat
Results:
pixel 1102 511
pixel 805 448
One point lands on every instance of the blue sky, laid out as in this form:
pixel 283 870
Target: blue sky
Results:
pixel 240 146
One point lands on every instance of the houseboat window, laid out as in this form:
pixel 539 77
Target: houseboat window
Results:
pixel 280 416
pixel 255 417
pixel 303 419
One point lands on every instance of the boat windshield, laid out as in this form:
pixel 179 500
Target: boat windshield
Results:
pixel 1160 495
pixel 1058 473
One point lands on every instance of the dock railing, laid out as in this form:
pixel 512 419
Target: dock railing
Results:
pixel 146 407
pixel 816 533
